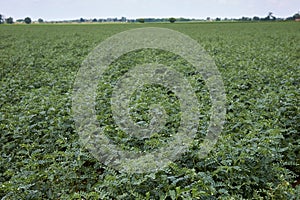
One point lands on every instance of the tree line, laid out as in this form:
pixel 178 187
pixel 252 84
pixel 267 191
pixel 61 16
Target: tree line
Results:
pixel 269 17
pixel 10 20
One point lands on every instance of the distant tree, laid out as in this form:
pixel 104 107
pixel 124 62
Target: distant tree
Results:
pixel 270 17
pixel 208 19
pixel 9 20
pixel 218 19
pixel 40 20
pixel 81 20
pixel 245 19
pixel 296 16
pixel 255 18
pixel 141 20
pixel 1 19
pixel 94 20
pixel 181 19
pixel 20 20
pixel 172 20
pixel 123 19
pixel 27 20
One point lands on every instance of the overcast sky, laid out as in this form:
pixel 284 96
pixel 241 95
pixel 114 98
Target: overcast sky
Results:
pixel 200 9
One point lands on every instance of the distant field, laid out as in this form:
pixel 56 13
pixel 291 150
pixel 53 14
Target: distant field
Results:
pixel 256 157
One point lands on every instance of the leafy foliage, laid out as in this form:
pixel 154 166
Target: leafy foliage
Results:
pixel 172 19
pixel 9 20
pixel 256 157
pixel 27 20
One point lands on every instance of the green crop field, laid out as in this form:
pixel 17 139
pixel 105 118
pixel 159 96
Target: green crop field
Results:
pixel 257 155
